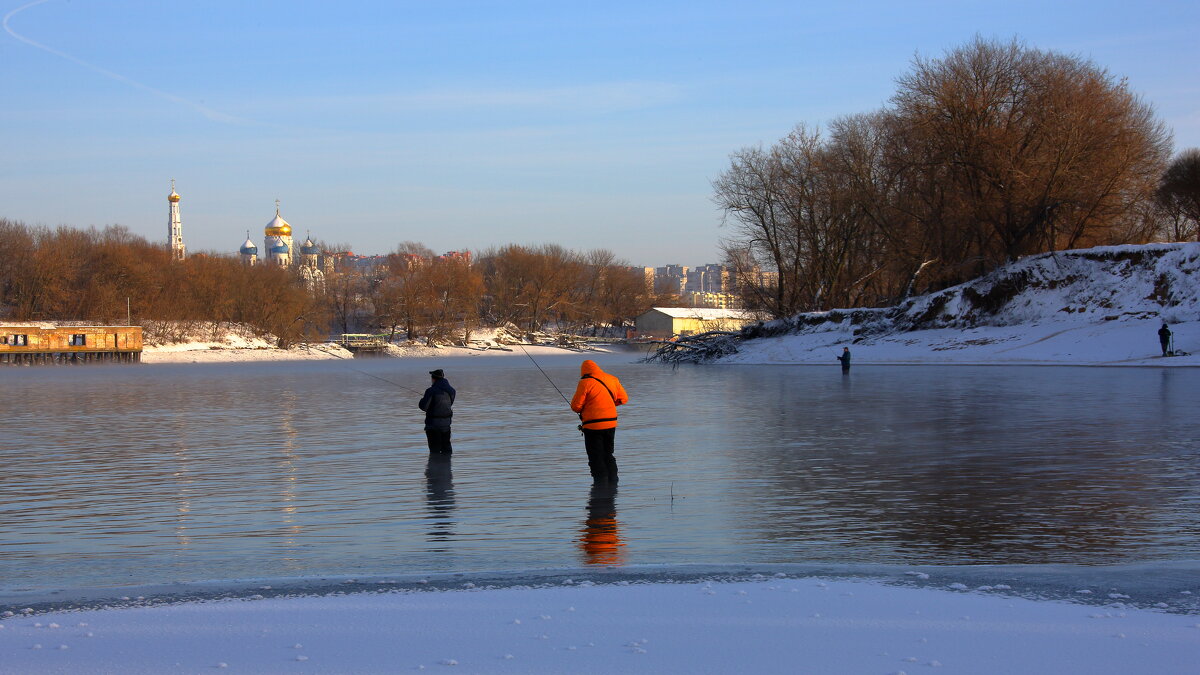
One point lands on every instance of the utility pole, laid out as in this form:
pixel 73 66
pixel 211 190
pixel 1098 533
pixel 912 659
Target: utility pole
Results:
pixel 128 313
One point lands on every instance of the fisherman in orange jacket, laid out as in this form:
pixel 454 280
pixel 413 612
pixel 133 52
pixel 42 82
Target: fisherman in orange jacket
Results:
pixel 596 400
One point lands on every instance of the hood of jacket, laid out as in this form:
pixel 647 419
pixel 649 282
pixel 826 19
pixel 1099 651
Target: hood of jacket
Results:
pixel 589 367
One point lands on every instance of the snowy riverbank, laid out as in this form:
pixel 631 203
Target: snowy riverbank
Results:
pixel 236 348
pixel 773 625
pixel 1099 306
pixel 1123 343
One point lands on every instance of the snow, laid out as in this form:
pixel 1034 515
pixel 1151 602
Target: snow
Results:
pixel 1099 306
pixel 234 346
pixel 1096 307
pixel 1125 343
pixel 770 625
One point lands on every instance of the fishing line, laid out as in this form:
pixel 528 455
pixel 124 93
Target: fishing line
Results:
pixel 564 396
pixel 363 372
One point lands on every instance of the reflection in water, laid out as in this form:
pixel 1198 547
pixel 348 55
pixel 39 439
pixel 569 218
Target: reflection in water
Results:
pixel 286 466
pixel 600 537
pixel 439 497
pixel 183 495
pixel 192 473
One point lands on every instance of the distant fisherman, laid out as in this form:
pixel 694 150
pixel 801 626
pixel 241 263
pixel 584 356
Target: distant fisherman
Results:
pixel 1164 339
pixel 845 359
pixel 437 404
pixel 596 400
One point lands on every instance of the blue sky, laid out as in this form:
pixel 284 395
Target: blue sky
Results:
pixel 464 125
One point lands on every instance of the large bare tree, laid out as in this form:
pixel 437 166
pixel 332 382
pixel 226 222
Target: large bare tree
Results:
pixel 1037 150
pixel 991 152
pixel 1179 193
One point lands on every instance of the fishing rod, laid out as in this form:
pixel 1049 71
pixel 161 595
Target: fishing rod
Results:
pixel 564 396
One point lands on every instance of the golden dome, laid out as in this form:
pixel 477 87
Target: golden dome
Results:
pixel 278 227
pixel 173 197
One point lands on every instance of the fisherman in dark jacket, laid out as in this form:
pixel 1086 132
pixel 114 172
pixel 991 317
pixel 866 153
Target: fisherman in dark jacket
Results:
pixel 1164 339
pixel 437 404
pixel 845 359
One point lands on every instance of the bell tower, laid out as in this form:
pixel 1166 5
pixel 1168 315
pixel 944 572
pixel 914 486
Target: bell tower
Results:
pixel 175 226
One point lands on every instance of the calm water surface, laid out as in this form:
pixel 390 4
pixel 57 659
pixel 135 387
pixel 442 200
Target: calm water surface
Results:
pixel 150 474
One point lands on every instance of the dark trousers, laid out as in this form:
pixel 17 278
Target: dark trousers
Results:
pixel 599 446
pixel 1165 342
pixel 439 441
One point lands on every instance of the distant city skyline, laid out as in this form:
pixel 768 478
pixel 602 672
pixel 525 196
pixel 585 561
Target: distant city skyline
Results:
pixel 480 125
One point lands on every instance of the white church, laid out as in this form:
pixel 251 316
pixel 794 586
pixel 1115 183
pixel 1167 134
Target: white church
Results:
pixel 277 243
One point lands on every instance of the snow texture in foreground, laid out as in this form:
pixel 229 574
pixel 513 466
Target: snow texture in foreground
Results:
pixel 776 625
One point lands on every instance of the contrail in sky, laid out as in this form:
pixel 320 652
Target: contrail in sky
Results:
pixel 211 114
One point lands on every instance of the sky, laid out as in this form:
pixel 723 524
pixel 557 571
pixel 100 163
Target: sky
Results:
pixel 467 125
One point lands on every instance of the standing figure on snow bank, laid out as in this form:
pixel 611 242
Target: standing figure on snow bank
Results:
pixel 437 404
pixel 596 399
pixel 1164 339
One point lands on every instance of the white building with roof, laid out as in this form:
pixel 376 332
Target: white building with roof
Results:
pixel 664 322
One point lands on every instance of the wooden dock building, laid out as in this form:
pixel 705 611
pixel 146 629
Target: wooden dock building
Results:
pixel 363 344
pixel 33 345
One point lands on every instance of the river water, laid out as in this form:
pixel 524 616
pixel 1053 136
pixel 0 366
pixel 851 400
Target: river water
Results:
pixel 153 474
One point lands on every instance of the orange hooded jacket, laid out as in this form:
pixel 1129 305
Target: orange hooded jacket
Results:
pixel 597 397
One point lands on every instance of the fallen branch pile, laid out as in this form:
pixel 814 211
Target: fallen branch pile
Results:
pixel 696 348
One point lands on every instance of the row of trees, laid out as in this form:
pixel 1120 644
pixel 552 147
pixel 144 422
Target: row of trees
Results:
pixel 417 294
pixel 105 275
pixel 110 275
pixel 992 152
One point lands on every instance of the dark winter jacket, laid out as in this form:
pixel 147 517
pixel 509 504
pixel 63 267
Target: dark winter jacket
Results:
pixel 436 403
pixel 1164 335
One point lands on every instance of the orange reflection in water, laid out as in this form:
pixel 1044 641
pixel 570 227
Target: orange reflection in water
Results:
pixel 600 538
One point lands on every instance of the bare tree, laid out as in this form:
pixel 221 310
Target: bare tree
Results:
pixel 1038 150
pixel 531 286
pixel 1179 194
pixel 991 152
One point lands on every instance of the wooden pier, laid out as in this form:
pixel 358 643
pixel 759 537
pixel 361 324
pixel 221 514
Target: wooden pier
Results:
pixel 363 344
pixel 69 345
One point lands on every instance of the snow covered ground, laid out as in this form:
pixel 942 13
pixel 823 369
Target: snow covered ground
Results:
pixel 1099 306
pixel 768 625
pixel 1108 343
pixel 1059 343
pixel 235 347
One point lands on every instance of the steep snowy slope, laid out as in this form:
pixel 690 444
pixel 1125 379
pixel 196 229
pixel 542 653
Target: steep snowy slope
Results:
pixel 1089 306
